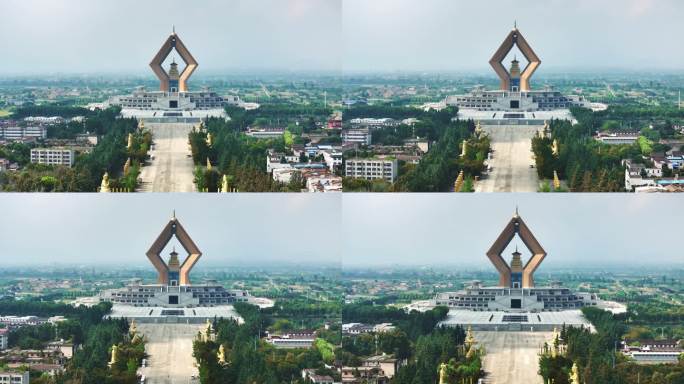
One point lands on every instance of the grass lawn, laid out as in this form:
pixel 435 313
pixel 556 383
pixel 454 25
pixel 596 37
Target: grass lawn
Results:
pixel 4 113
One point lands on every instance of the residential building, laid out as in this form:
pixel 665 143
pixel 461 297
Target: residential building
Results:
pixel 311 375
pixel 294 339
pixel 265 132
pixel 16 133
pixel 53 156
pixel 614 138
pixel 3 338
pixel 372 169
pixel 14 377
pixel 374 123
pixel 387 363
pixel 360 136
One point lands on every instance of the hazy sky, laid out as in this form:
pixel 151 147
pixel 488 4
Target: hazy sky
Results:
pixel 123 35
pixel 463 35
pixel 453 229
pixel 236 229
pixel 66 36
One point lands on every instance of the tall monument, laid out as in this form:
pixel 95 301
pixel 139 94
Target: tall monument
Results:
pixel 173 81
pixel 515 275
pixel 172 273
pixel 510 80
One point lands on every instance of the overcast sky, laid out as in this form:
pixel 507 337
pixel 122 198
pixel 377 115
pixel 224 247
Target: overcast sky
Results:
pixel 69 36
pixel 457 229
pixel 107 229
pixel 462 35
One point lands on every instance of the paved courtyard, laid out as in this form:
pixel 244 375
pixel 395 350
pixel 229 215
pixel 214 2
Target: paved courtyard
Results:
pixel 169 347
pixel 511 357
pixel 511 159
pixel 172 167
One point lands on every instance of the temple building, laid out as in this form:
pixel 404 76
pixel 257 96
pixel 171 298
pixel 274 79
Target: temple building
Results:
pixel 515 102
pixel 173 296
pixel 516 302
pixel 174 102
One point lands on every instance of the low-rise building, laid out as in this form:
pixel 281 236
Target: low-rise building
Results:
pixel 653 351
pixel 387 363
pixel 17 133
pixel 14 377
pixel 614 138
pixel 374 123
pixel 265 132
pixel 294 339
pixel 3 339
pixel 360 136
pixel 380 167
pixel 53 156
pixel 310 374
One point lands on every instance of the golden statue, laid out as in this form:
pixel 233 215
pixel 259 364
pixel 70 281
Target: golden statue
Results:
pixel 443 373
pixel 210 139
pixel 554 147
pixel 458 184
pixel 104 186
pixel 224 184
pixel 208 164
pixel 141 125
pixel 127 166
pixel 556 181
pixel 222 355
pixel 133 328
pixel 464 148
pixel 574 374
pixel 478 127
pixel 471 352
pixel 470 338
pixel 115 353
pixel 208 330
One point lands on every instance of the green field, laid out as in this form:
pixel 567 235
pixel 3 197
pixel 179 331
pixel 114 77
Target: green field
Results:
pixel 5 113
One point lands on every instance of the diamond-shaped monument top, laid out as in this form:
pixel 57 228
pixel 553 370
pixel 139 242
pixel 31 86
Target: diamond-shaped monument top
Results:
pixel 173 42
pixel 173 228
pixel 515 38
pixel 516 226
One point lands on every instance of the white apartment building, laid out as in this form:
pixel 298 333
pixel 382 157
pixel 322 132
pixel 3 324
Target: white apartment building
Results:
pixel 23 133
pixel 53 156
pixel 358 136
pixel 3 339
pixel 14 377
pixel 372 169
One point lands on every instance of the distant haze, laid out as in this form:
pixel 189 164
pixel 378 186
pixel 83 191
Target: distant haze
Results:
pixel 86 36
pixel 429 35
pixel 67 36
pixel 117 229
pixel 576 230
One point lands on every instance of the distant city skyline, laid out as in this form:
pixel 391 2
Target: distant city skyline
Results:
pixel 108 229
pixel 337 36
pixel 449 230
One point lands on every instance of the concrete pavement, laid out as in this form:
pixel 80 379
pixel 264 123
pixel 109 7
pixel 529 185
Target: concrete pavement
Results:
pixel 169 347
pixel 511 357
pixel 171 170
pixel 511 159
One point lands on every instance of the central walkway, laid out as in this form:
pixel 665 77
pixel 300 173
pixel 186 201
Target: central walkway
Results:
pixel 171 170
pixel 511 159
pixel 169 347
pixel 511 357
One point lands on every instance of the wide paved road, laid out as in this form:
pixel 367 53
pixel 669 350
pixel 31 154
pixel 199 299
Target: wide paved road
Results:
pixel 171 169
pixel 511 160
pixel 511 357
pixel 169 347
